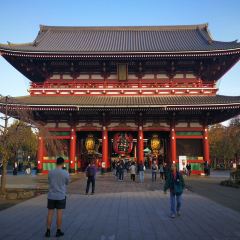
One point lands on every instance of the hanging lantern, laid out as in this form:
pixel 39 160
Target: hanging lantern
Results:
pixel 90 143
pixel 155 144
pixel 123 143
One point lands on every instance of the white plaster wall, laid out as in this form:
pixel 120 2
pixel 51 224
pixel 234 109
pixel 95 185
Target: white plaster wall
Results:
pixel 96 76
pixel 63 125
pixel 195 124
pixel 113 76
pixel 181 124
pixel 83 76
pixel 51 125
pixel 148 76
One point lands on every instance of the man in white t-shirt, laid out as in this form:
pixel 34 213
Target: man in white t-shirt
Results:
pixel 58 179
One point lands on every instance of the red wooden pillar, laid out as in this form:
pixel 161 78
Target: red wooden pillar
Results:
pixel 78 155
pixel 173 147
pixel 206 145
pixel 140 145
pixel 72 151
pixel 105 148
pixel 40 154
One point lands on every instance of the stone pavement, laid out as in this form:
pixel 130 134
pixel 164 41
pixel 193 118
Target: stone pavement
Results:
pixel 210 188
pixel 26 181
pixel 123 210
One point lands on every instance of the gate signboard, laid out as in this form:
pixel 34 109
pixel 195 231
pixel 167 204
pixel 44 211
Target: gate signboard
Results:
pixel 182 163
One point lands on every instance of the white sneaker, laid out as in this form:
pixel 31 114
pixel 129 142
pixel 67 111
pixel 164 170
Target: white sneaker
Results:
pixel 173 216
pixel 178 213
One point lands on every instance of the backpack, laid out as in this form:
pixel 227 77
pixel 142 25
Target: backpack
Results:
pixel 154 168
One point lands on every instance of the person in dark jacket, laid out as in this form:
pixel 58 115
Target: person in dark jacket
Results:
pixel 117 170
pixel 206 168
pixel 91 171
pixel 166 170
pixel 175 183
pixel 189 169
pixel 121 170
pixel 141 169
pixel 154 171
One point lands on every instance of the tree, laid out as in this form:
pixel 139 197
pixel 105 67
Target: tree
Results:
pixel 21 136
pixel 216 136
pixel 11 138
pixel 234 137
pixel 225 142
pixel 4 151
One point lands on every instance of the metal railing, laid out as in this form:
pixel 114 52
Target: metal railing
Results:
pixel 95 85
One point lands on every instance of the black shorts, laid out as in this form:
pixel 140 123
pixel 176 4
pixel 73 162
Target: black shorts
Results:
pixel 58 204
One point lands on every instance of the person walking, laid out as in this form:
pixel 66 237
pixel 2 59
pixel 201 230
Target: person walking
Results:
pixel 28 168
pixel 57 179
pixel 132 170
pixel 206 168
pixel 161 171
pixel 154 171
pixel 117 170
pixel 141 169
pixel 114 167
pixel 121 170
pixel 127 165
pixel 15 168
pixel 91 171
pixel 189 169
pixel 175 183
pixel 166 170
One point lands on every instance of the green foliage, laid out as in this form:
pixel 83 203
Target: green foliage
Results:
pixel 230 183
pixel 235 175
pixel 225 142
pixel 19 136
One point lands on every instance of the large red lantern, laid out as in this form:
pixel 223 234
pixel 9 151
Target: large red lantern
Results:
pixel 90 143
pixel 122 143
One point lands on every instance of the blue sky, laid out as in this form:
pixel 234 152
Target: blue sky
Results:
pixel 20 20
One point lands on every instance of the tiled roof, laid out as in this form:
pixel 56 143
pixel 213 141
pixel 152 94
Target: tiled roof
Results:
pixel 128 101
pixel 155 39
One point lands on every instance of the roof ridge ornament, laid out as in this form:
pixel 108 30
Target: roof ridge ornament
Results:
pixel 207 38
pixel 209 34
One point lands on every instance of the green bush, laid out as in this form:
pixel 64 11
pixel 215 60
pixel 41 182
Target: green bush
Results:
pixel 230 183
pixel 235 175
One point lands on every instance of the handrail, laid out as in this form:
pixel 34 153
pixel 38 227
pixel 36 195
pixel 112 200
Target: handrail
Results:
pixel 66 85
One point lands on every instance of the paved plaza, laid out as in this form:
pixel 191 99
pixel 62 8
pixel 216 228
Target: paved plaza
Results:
pixel 123 210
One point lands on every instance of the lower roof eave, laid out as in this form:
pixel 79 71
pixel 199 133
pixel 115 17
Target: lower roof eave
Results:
pixel 162 107
pixel 43 54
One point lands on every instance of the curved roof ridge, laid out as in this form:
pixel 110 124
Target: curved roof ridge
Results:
pixel 125 39
pixel 125 28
